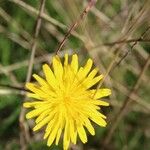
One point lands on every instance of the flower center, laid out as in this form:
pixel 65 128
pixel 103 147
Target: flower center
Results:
pixel 67 99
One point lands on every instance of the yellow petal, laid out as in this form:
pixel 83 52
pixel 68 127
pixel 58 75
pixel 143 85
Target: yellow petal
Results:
pixel 98 120
pixel 89 126
pixel 73 131
pixel 67 133
pixel 58 135
pixel 61 125
pixel 66 67
pixel 91 111
pixel 50 126
pixel 58 69
pixel 53 135
pixel 44 87
pixel 82 133
pixel 33 95
pixel 27 105
pixel 50 76
pixel 40 80
pixel 36 89
pixel 78 79
pixel 31 104
pixel 87 67
pixel 35 104
pixel 45 120
pixel 100 93
pixel 35 112
pixel 92 73
pixel 83 71
pixel 50 93
pixel 42 123
pixel 92 82
pixel 42 116
pixel 99 102
pixel 74 63
pixel 66 60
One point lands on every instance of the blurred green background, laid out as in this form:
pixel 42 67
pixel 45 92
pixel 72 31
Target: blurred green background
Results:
pixel 108 21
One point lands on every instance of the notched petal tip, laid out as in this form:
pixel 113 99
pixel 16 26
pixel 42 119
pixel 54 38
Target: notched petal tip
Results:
pixel 27 84
pixel 75 56
pixel 106 104
pixel 74 63
pixel 99 93
pixel 103 124
pixel 101 76
pixel 88 65
pixel 46 135
pixel 93 133
pixel 34 75
pixel 28 116
pixel 45 66
pixel 37 77
pixel 27 105
pixel 35 128
pixel 90 61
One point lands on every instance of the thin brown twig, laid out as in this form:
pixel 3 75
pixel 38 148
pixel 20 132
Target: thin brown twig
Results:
pixel 76 23
pixel 33 49
pixel 133 45
pixel 24 134
pixel 123 41
pixel 123 110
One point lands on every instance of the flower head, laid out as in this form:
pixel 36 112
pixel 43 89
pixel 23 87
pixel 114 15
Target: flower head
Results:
pixel 65 101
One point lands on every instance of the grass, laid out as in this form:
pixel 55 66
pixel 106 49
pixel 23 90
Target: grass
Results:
pixel 107 22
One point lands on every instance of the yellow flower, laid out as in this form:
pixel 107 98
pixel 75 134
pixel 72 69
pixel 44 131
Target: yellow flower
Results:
pixel 65 102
